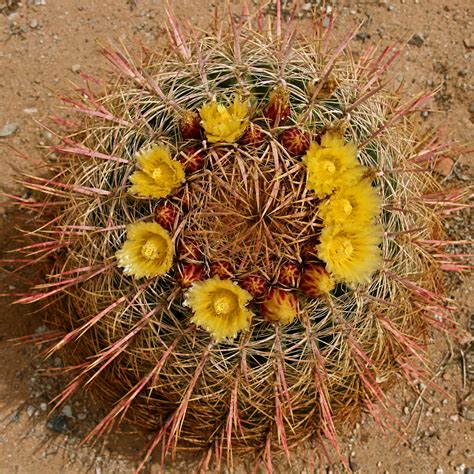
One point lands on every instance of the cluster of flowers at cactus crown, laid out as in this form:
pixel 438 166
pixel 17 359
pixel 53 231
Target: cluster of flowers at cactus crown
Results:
pixel 348 205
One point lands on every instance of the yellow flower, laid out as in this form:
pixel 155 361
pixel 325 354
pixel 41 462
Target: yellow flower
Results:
pixel 224 124
pixel 357 204
pixel 159 175
pixel 219 307
pixel 332 165
pixel 147 252
pixel 351 252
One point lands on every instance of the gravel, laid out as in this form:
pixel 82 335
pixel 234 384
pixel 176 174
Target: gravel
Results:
pixel 417 40
pixel 58 424
pixel 8 129
pixel 67 411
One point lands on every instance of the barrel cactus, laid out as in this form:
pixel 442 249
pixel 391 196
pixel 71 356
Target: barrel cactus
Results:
pixel 242 239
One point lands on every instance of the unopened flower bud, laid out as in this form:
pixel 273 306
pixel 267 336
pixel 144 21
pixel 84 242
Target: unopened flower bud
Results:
pixel 295 141
pixel 190 125
pixel 315 280
pixel 278 108
pixel 189 273
pixel 280 305
pixel 256 285
pixel 165 215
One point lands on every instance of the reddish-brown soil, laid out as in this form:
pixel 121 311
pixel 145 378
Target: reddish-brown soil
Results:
pixel 43 43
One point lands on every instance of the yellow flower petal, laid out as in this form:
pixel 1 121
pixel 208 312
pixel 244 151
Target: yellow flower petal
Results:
pixel 332 165
pixel 351 252
pixel 224 124
pixel 159 175
pixel 358 204
pixel 219 306
pixel 147 252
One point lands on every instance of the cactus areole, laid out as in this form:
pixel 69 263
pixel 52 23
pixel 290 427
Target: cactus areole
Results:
pixel 244 233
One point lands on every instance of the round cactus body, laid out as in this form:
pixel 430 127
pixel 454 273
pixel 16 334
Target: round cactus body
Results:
pixel 246 227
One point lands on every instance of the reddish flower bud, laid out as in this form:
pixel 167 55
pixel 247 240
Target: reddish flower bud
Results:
pixel 289 274
pixel 280 305
pixel 256 285
pixel 295 141
pixel 189 273
pixel 192 159
pixel 165 215
pixel 278 108
pixel 190 125
pixel 315 280
pixel 221 269
pixel 253 136
pixel 188 250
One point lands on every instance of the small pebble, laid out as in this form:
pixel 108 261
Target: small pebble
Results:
pixel 362 36
pixel 41 329
pixel 8 129
pixel 417 40
pixel 67 411
pixel 34 23
pixel 76 68
pixel 46 136
pixel 468 414
pixel 30 410
pixel 439 470
pixel 454 418
pixel 31 110
pixel 471 108
pixel 58 424
pixel 469 470
pixel 444 166
pixel 44 406
pixel 15 418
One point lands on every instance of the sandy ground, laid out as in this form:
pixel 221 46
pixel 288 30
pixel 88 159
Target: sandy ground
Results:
pixel 44 44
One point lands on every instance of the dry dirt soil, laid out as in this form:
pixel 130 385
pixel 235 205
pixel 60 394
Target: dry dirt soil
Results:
pixel 44 45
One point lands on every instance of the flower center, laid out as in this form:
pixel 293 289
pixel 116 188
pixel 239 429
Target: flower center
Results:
pixel 153 248
pixel 158 173
pixel 347 249
pixel 330 167
pixel 346 207
pixel 224 303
